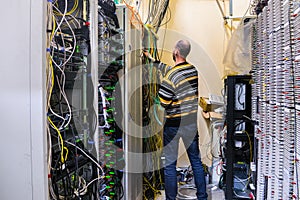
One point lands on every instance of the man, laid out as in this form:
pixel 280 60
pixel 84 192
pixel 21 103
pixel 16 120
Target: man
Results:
pixel 178 94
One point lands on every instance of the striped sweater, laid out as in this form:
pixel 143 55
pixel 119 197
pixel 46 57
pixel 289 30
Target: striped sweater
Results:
pixel 178 94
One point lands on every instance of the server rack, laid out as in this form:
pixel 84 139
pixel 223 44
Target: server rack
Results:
pixel 240 138
pixel 275 99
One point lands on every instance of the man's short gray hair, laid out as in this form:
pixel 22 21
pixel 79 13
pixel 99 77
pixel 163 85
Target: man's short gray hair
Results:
pixel 184 48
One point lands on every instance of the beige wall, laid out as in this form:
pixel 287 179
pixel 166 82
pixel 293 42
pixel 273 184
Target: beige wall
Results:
pixel 201 22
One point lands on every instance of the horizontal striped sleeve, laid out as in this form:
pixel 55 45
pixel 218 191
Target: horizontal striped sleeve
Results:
pixel 166 92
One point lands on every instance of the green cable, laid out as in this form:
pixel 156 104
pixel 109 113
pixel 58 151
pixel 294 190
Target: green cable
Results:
pixel 155 115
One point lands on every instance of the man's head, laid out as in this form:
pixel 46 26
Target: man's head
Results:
pixel 181 50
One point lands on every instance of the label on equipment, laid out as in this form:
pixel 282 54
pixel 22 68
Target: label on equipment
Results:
pixel 253 166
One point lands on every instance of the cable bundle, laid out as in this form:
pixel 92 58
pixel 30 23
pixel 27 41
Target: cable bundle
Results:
pixel 156 13
pixel 111 56
pixel 73 171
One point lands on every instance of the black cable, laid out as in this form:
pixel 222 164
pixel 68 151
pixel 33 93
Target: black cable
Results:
pixel 76 174
pixel 169 18
pixel 69 183
pixel 161 15
pixel 58 104
pixel 64 186
pixel 166 24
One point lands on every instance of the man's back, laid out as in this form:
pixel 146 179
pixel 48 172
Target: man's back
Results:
pixel 179 96
pixel 179 91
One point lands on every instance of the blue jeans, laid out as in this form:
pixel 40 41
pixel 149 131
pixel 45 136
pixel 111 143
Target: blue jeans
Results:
pixel 190 138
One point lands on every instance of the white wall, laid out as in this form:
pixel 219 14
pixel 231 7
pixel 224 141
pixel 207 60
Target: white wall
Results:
pixel 23 137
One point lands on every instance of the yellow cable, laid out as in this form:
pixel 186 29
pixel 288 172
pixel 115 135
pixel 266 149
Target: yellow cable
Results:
pixel 52 81
pixel 75 6
pixel 154 143
pixel 62 158
pixel 154 190
pixel 50 64
pixel 67 153
pixel 250 144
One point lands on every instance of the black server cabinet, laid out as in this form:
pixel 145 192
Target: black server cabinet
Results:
pixel 239 151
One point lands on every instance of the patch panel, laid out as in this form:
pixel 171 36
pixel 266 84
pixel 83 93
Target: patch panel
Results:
pixel 111 63
pixel 275 55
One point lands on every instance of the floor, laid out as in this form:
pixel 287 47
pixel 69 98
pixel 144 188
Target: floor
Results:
pixel 214 193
